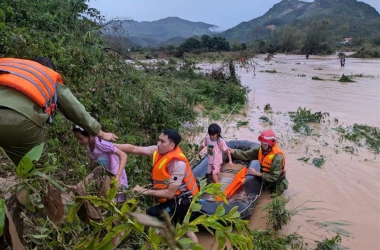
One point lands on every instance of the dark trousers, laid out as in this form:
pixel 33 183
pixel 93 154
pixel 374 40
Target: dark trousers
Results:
pixel 176 208
pixel 18 135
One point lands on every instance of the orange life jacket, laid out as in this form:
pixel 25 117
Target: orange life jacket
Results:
pixel 33 79
pixel 266 160
pixel 160 175
pixel 235 184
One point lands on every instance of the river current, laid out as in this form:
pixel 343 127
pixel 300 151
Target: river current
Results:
pixel 343 196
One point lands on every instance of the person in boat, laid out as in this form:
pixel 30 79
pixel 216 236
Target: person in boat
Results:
pixel 271 159
pixel 107 156
pixel 215 145
pixel 174 184
pixel 30 93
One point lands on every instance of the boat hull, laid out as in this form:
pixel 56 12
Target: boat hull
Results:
pixel 246 197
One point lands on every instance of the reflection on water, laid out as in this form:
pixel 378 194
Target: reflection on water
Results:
pixel 343 196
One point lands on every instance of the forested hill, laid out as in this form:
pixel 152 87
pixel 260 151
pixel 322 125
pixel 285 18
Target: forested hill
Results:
pixel 156 32
pixel 349 18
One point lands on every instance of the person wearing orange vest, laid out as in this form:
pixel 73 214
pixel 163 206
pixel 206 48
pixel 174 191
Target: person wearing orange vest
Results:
pixel 271 159
pixel 30 93
pixel 174 183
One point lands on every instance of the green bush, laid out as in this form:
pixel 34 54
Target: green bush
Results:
pixel 345 78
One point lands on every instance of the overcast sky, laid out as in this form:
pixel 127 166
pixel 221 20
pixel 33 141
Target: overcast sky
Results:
pixel 223 13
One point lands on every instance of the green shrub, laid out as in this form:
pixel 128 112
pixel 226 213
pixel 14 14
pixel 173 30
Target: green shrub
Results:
pixel 317 78
pixel 345 78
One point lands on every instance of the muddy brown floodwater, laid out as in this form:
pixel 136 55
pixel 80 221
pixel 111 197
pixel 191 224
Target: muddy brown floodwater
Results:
pixel 343 196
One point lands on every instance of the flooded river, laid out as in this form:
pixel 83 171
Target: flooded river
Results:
pixel 343 196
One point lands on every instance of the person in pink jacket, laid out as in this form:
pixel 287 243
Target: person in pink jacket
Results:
pixel 215 145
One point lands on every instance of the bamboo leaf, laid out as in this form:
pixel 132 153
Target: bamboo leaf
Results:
pixel 195 207
pixel 128 206
pixel 185 242
pixel 221 239
pixel 220 211
pixel 232 213
pixel 26 163
pixel 199 220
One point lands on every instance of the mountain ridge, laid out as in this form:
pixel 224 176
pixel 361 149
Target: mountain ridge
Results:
pixel 158 31
pixel 298 13
pixel 346 17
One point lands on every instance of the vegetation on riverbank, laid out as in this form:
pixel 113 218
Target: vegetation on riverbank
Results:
pixel 135 101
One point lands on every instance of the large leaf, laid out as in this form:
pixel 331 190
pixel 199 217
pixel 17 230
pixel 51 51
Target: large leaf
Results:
pixel 26 163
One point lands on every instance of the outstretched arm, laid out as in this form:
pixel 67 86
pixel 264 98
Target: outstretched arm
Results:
pixel 251 154
pixel 137 150
pixel 73 110
pixel 160 193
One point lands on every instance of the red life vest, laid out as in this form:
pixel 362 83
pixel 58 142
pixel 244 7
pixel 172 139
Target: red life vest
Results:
pixel 160 175
pixel 33 79
pixel 266 160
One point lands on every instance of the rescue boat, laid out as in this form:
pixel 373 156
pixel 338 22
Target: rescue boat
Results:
pixel 245 194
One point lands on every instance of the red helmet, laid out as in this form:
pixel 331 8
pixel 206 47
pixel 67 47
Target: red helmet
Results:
pixel 268 136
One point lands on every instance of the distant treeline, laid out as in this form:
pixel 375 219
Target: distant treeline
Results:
pixel 315 38
pixel 196 44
